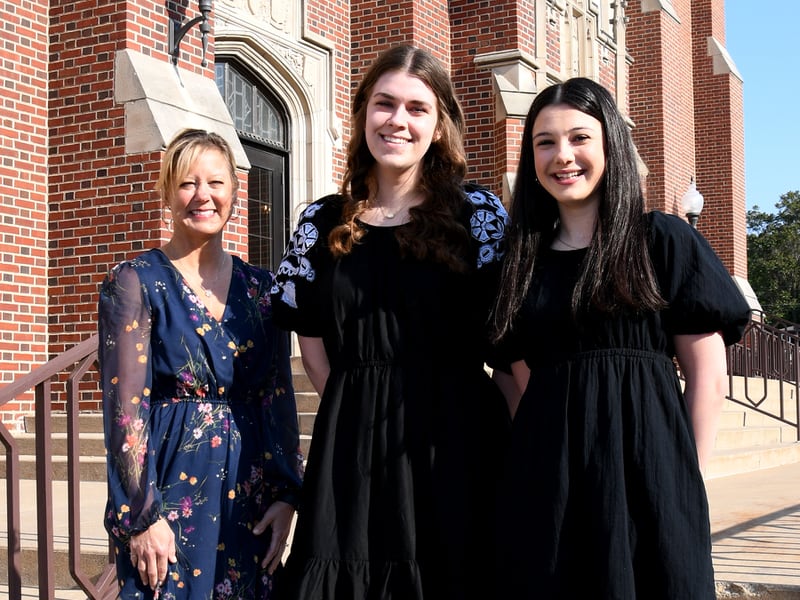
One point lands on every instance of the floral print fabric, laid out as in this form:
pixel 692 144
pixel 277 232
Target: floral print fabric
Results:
pixel 201 424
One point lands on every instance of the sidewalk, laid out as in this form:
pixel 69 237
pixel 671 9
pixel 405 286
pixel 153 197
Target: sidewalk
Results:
pixel 755 527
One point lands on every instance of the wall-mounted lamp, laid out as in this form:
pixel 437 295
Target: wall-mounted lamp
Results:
pixel 692 203
pixel 178 30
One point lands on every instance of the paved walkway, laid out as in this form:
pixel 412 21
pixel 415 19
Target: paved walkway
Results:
pixel 755 525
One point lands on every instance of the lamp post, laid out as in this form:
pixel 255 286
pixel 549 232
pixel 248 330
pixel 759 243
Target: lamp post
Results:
pixel 178 30
pixel 692 203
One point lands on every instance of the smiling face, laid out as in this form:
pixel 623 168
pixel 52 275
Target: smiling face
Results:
pixel 203 200
pixel 568 155
pixel 401 123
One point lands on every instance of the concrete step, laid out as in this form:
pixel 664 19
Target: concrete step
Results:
pixel 94 540
pixel 305 444
pixel 746 437
pixel 88 422
pixel 307 402
pixel 733 416
pixel 746 459
pixel 93 563
pixel 89 444
pixel 92 468
pixel 302 383
pixel 306 422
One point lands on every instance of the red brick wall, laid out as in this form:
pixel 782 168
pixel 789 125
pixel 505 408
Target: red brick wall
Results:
pixel 720 142
pixel 661 101
pixel 331 20
pixel 480 28
pixel 23 193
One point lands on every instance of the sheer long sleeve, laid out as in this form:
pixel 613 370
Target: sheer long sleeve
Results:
pixel 287 481
pixel 126 379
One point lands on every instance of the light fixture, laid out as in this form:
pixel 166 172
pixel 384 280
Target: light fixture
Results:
pixel 692 203
pixel 178 30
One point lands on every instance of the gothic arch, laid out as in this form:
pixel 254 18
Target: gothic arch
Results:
pixel 299 74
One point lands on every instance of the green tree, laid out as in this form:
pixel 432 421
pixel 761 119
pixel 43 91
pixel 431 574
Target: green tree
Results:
pixel 773 252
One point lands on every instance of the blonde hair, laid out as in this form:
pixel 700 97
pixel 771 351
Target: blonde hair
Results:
pixel 181 154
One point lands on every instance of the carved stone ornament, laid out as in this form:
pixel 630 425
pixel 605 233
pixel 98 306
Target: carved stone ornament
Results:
pixel 275 12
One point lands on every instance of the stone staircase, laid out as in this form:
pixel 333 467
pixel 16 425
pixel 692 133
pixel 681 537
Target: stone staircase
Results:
pixel 749 441
pixel 307 403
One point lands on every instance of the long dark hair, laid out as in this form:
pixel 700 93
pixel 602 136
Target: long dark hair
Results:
pixel 617 273
pixel 434 232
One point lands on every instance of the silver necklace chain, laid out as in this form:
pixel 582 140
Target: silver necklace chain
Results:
pixel 206 292
pixel 570 246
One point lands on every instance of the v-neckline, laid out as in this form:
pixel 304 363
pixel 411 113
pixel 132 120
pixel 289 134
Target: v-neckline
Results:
pixel 217 319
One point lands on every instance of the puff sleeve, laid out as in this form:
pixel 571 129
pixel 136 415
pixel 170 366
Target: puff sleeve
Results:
pixel 701 294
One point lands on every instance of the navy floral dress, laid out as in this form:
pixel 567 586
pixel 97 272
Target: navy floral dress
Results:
pixel 398 491
pixel 200 425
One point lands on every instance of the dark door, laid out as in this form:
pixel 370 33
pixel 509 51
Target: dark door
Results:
pixel 267 206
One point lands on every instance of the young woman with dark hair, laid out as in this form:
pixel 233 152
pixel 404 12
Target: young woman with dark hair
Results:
pixel 388 285
pixel 603 494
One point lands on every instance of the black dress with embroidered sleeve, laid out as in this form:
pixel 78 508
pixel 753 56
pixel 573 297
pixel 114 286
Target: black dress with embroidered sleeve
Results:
pixel 603 494
pixel 405 442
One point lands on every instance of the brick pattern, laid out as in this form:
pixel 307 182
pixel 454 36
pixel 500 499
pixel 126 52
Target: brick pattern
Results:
pixel 73 203
pixel 332 21
pixel 719 135
pixel 23 194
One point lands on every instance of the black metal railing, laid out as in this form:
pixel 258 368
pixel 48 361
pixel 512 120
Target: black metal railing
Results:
pixel 74 364
pixel 767 361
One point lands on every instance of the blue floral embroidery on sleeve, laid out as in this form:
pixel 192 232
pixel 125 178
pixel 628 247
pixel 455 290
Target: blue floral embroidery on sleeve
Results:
pixel 487 225
pixel 294 264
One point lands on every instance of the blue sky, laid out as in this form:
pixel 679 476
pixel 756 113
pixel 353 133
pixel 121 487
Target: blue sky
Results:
pixel 763 40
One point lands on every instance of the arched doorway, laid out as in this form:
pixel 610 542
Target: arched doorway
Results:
pixel 262 126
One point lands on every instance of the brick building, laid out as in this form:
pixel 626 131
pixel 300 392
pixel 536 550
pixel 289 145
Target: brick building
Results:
pixel 92 91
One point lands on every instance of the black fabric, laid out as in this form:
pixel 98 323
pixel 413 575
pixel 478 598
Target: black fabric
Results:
pixel 397 499
pixel 602 496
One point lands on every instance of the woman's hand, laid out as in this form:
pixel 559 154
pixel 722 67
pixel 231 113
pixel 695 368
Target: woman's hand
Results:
pixel 278 518
pixel 151 550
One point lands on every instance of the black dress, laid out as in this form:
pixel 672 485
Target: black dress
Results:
pixel 397 495
pixel 603 496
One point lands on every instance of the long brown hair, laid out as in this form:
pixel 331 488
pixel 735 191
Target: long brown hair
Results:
pixel 434 232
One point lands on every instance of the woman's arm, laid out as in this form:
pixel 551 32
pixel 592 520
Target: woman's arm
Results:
pixel 125 372
pixel 702 361
pixel 507 384
pixel 315 361
pixel 520 376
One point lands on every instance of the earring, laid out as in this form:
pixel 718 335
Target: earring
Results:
pixel 167 220
pixel 234 213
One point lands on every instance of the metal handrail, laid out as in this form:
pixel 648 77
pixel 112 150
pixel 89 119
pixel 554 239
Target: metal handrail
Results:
pixel 767 357
pixel 40 379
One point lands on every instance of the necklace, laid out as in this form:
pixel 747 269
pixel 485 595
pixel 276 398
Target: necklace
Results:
pixel 206 292
pixel 386 215
pixel 570 246
pixel 391 214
